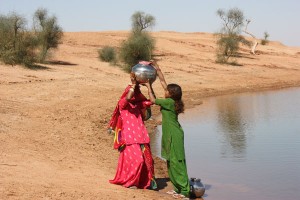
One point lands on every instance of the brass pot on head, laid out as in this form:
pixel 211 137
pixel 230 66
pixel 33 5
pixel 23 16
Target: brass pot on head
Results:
pixel 144 71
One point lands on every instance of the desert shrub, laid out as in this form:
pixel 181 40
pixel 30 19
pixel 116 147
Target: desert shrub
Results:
pixel 16 44
pixel 265 41
pixel 20 46
pixel 228 46
pixel 27 49
pixel 23 53
pixel 48 32
pixel 107 54
pixel 8 38
pixel 138 46
pixel 229 38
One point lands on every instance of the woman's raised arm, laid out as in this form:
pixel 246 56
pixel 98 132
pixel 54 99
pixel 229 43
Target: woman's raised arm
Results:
pixel 159 74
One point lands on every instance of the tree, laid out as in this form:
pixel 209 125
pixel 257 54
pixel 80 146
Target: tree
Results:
pixel 266 38
pixel 141 21
pixel 228 46
pixel 255 43
pixel 49 33
pixel 233 20
pixel 229 38
pixel 17 25
pixel 17 45
pixel 139 45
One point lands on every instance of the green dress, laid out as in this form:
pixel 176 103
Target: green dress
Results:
pixel 173 146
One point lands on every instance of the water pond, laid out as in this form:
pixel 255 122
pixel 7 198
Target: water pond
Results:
pixel 244 146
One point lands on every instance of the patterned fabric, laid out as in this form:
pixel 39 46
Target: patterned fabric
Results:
pixel 115 124
pixel 133 129
pixel 132 114
pixel 150 165
pixel 135 165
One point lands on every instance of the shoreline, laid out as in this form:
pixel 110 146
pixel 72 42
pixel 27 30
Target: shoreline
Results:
pixel 53 121
pixel 160 165
pixel 191 105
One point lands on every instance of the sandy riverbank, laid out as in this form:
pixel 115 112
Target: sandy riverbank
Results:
pixel 53 138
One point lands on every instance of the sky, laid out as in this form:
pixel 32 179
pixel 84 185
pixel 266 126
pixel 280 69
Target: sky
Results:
pixel 277 17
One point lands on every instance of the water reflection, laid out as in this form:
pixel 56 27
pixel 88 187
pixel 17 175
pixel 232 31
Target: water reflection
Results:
pixel 232 127
pixel 261 131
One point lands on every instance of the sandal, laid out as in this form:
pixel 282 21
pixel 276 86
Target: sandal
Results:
pixel 171 192
pixel 179 196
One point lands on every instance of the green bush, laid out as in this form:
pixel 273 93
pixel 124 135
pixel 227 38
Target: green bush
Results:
pixel 17 46
pixel 23 53
pixel 107 54
pixel 138 46
pixel 27 49
pixel 228 46
pixel 229 38
pixel 265 41
pixel 21 46
pixel 48 32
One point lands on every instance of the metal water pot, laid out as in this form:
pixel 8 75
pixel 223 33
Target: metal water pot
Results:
pixel 144 71
pixel 197 188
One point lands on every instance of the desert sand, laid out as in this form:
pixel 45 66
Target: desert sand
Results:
pixel 53 118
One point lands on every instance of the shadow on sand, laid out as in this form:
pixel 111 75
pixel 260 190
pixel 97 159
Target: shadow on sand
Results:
pixel 161 183
pixel 53 62
pixel 37 67
pixel 58 62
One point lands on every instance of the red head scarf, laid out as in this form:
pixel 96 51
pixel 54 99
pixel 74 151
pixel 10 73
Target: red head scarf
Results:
pixel 115 124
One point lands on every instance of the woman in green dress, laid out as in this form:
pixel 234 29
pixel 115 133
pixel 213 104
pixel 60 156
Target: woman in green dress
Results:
pixel 172 135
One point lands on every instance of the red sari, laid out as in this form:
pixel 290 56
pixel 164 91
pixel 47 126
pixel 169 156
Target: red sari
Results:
pixel 135 165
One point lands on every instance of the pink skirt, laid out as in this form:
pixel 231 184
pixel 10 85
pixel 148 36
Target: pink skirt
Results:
pixel 135 167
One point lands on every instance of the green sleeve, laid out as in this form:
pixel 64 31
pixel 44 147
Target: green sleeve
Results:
pixel 164 103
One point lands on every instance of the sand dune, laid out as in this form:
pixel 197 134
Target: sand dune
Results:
pixel 53 139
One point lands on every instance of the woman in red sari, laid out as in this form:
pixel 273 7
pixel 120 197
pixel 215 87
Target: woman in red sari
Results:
pixel 135 165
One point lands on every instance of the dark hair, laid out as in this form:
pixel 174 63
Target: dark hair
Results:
pixel 176 94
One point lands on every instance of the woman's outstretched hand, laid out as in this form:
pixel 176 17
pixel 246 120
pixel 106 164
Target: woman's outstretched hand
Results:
pixel 155 65
pixel 147 84
pixel 159 74
pixel 133 78
pixel 150 91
